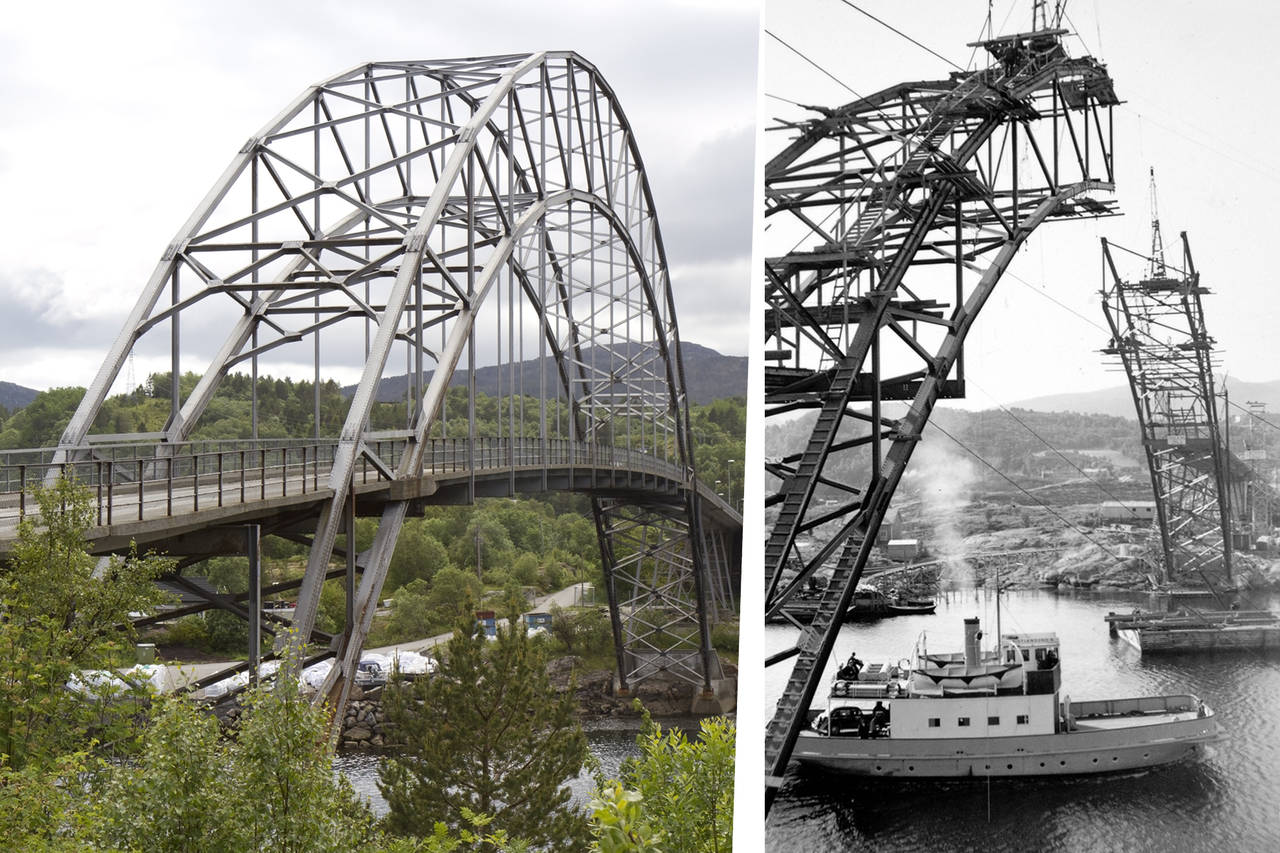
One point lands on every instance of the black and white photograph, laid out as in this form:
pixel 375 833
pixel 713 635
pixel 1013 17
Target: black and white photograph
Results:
pixel 1019 486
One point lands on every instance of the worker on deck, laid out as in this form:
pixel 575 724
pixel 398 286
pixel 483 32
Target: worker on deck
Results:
pixel 879 718
pixel 851 668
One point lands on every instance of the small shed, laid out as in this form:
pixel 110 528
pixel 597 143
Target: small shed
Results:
pixel 1127 512
pixel 903 549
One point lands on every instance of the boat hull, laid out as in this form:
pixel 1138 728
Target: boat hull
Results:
pixel 911 609
pixel 1063 754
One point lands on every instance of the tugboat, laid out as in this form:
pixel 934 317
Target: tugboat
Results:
pixel 998 713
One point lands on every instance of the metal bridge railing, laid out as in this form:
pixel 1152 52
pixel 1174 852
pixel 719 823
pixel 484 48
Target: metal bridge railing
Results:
pixel 138 481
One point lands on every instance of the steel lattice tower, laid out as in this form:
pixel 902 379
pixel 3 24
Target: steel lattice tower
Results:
pixel 891 219
pixel 1158 335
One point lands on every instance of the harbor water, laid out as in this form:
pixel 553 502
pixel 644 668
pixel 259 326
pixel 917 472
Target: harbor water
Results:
pixel 1228 800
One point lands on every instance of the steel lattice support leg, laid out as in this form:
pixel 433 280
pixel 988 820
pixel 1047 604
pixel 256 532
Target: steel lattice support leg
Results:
pixel 657 593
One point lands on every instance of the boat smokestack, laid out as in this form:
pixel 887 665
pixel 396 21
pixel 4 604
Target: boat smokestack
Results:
pixel 972 637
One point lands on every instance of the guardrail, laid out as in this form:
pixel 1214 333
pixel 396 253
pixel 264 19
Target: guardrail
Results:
pixel 137 481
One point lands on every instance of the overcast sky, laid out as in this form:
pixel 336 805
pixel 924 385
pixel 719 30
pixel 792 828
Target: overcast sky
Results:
pixel 119 117
pixel 1195 78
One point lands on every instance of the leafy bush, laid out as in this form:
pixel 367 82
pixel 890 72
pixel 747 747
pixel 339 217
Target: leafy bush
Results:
pixel 680 789
pixel 227 632
pixel 724 636
pixel 187 631
pixel 581 629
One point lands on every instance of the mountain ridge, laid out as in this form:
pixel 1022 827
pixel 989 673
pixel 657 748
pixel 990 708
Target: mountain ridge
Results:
pixel 709 376
pixel 14 396
pixel 1118 402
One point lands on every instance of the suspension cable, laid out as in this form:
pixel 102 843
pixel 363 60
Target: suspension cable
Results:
pixel 857 8
pixel 800 54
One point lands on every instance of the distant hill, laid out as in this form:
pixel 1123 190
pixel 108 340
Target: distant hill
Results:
pixel 1118 402
pixel 14 397
pixel 710 376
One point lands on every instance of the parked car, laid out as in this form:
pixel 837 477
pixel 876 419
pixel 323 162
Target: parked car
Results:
pixel 370 672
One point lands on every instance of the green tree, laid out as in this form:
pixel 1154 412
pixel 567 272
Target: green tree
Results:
pixel 58 620
pixel 486 535
pixel 411 615
pixel 489 733
pixel 271 788
pixel 452 597
pixel 685 790
pixel 418 554
pixel 421 609
pixel 524 570
pixel 581 629
pixel 171 799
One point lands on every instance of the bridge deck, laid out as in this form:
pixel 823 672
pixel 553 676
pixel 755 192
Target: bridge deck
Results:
pixel 177 496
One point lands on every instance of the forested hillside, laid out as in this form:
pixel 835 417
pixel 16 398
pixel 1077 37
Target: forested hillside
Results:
pixel 708 375
pixel 1017 442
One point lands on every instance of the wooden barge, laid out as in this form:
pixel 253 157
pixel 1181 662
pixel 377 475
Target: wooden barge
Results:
pixel 1195 631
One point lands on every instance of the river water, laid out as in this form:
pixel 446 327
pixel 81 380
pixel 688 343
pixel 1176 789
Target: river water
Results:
pixel 1227 801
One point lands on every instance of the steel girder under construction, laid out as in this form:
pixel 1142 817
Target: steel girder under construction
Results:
pixel 1158 335
pixel 891 220
pixel 444 207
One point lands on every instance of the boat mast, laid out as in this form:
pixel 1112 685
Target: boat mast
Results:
pixel 997 611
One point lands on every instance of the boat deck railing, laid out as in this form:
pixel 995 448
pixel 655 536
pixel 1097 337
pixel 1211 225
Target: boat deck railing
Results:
pixel 1135 707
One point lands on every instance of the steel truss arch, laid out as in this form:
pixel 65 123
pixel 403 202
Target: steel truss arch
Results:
pixel 893 218
pixel 1159 336
pixel 423 199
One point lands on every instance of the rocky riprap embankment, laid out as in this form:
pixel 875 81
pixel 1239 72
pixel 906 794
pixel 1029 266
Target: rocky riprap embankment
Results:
pixel 363 725
pixel 662 695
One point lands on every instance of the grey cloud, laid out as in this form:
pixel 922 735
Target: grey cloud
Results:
pixel 705 202
pixel 35 318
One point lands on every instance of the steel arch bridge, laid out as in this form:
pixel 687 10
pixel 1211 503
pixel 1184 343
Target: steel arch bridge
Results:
pixel 451 210
pixel 892 218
